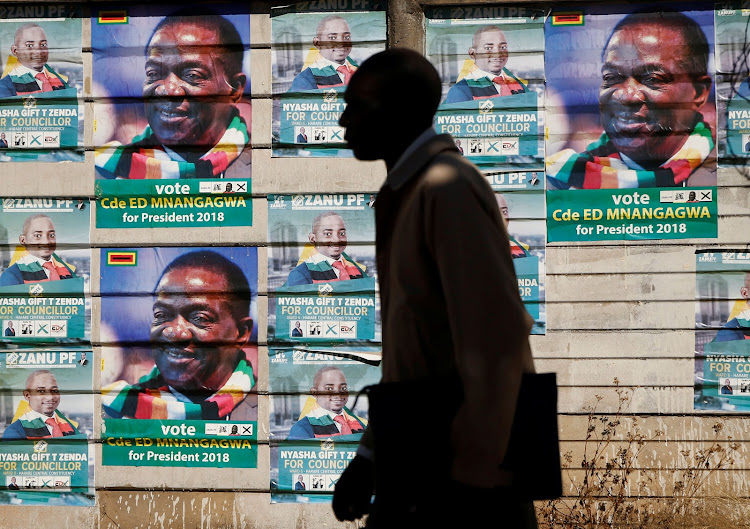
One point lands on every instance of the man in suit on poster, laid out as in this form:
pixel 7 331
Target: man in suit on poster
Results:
pixel 333 67
pixel 490 78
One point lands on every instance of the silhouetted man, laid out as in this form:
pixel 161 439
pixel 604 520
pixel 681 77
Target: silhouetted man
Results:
pixel 438 227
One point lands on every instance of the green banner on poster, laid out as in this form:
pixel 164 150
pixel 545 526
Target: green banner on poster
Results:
pixel 172 443
pixel 631 215
pixel 178 204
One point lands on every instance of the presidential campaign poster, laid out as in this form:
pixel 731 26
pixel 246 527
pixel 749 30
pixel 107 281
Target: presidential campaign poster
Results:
pixel 722 330
pixel 317 419
pixel 179 356
pixel 523 214
pixel 41 113
pixel 631 123
pixel 321 268
pixel 172 115
pixel 46 422
pixel 45 269
pixel 491 62
pixel 732 82
pixel 316 47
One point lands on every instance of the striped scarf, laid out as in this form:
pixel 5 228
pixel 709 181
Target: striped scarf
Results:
pixel 152 399
pixel 517 249
pixel 26 84
pixel 484 88
pixel 323 424
pixel 327 76
pixel 601 166
pixel 743 320
pixel 37 428
pixel 321 270
pixel 33 272
pixel 145 158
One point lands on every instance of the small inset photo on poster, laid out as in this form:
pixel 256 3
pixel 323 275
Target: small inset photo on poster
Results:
pixel 172 102
pixel 321 268
pixel 315 50
pixel 722 330
pixel 491 63
pixel 179 356
pixel 46 423
pixel 317 417
pixel 45 270
pixel 41 83
pixel 631 117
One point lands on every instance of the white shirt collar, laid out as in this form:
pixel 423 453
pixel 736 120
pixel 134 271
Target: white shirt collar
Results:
pixel 423 138
pixel 21 69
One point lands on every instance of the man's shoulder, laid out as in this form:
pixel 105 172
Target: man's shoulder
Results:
pixel 6 87
pixel 299 275
pixel 14 431
pixel 11 276
pixel 303 81
pixel 458 92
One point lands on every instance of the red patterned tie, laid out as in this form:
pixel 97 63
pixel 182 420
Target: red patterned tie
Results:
pixel 46 86
pixel 56 431
pixel 504 89
pixel 347 74
pixel 53 275
pixel 345 428
pixel 343 274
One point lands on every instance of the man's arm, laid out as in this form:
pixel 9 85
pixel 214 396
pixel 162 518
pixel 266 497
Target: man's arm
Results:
pixel 14 431
pixel 488 321
pixel 6 87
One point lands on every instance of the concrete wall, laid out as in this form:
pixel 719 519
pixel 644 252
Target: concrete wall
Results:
pixel 615 309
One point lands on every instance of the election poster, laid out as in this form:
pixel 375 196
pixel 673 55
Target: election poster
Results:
pixel 172 116
pixel 47 426
pixel 722 330
pixel 631 122
pixel 179 356
pixel 317 417
pixel 44 280
pixel 41 85
pixel 491 63
pixel 732 82
pixel 523 215
pixel 321 269
pixel 316 47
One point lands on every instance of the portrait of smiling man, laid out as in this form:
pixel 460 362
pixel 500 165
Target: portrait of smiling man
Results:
pixel 328 416
pixel 32 75
pixel 490 78
pixel 193 82
pixel 654 83
pixel 37 262
pixel 333 67
pixel 327 261
pixel 200 325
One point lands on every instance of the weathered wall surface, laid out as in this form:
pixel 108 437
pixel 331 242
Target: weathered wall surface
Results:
pixel 623 310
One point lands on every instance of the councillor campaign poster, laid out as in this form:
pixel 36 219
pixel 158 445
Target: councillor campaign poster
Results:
pixel 316 418
pixel 172 116
pixel 41 113
pixel 314 52
pixel 45 269
pixel 46 422
pixel 631 146
pixel 179 356
pixel 491 62
pixel 722 330
pixel 523 213
pixel 732 82
pixel 321 268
